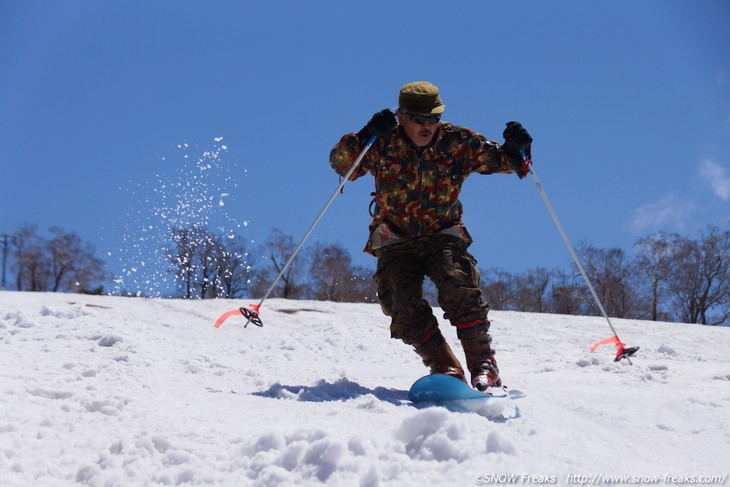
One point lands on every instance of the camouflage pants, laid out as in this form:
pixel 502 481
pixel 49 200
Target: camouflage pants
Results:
pixel 400 275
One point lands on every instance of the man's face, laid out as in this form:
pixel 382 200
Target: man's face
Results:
pixel 420 134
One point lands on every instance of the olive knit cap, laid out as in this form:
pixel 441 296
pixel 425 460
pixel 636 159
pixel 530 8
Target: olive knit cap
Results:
pixel 420 97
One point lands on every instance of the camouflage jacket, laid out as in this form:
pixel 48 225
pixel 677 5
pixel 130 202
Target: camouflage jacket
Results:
pixel 417 188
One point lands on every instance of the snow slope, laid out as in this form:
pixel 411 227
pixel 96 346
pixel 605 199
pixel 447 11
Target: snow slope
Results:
pixel 112 391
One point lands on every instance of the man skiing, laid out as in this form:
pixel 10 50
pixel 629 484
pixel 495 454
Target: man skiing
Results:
pixel 419 164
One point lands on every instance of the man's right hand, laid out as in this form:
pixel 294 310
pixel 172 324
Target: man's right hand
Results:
pixel 380 125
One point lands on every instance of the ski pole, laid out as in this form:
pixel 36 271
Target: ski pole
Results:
pixel 622 351
pixel 252 313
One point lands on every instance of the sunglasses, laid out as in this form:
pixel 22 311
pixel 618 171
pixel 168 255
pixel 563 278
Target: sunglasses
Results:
pixel 420 119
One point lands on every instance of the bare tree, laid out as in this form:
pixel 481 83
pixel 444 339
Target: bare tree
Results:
pixel 31 263
pixel 277 250
pixel 62 263
pixel 209 254
pixel 234 268
pixel 567 296
pixel 499 288
pixel 700 282
pixel 609 272
pixel 362 287
pixel 73 265
pixel 531 289
pixel 62 250
pixel 182 257
pixel 655 263
pixel 334 278
pixel 208 265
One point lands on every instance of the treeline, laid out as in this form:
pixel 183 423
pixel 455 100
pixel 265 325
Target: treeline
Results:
pixel 207 265
pixel 58 262
pixel 669 277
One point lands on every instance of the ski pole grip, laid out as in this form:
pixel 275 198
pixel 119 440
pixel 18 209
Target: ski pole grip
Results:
pixel 524 156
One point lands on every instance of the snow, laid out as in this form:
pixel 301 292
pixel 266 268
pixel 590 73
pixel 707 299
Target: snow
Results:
pixel 113 391
pixel 192 194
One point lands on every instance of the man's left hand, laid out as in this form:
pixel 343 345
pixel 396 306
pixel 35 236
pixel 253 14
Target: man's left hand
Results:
pixel 516 139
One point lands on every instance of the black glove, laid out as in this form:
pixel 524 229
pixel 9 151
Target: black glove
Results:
pixel 380 125
pixel 516 139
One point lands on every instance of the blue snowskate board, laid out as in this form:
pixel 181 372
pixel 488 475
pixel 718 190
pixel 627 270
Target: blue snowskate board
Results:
pixel 455 395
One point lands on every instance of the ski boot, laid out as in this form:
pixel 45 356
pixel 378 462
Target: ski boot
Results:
pixel 479 355
pixel 438 357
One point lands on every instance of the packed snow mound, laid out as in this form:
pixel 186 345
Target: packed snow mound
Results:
pixel 112 391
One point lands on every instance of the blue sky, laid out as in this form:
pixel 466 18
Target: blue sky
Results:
pixel 111 110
